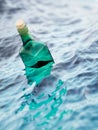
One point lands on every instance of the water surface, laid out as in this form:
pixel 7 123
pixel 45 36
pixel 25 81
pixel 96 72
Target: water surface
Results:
pixel 68 98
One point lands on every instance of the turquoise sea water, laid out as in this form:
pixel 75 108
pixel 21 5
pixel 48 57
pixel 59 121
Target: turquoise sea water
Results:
pixel 68 98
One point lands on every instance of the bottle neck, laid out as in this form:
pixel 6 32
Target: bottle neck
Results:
pixel 26 38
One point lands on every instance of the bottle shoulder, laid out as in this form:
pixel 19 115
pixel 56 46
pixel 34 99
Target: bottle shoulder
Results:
pixel 34 46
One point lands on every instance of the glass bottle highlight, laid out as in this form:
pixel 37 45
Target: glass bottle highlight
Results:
pixel 35 55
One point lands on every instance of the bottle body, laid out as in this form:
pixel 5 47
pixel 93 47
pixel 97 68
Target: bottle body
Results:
pixel 37 59
pixel 35 52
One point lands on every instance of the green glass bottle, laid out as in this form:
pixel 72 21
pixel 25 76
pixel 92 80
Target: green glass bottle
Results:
pixel 35 55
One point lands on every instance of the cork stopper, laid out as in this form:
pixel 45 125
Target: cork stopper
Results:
pixel 21 27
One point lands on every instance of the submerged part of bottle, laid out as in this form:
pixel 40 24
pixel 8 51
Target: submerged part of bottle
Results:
pixel 35 55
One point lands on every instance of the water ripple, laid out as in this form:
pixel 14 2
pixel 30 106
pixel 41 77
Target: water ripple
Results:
pixel 68 98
